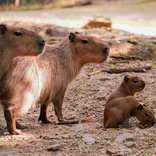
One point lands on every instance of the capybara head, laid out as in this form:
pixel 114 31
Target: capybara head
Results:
pixel 145 115
pixel 134 83
pixel 16 41
pixel 89 49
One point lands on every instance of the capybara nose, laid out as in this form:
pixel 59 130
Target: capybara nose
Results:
pixel 106 49
pixel 153 123
pixel 43 42
pixel 143 84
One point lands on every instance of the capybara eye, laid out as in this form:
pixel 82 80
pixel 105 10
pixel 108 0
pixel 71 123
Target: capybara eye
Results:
pixel 18 33
pixel 146 114
pixel 135 81
pixel 84 41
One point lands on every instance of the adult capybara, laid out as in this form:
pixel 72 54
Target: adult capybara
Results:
pixel 16 41
pixel 119 110
pixel 44 79
pixel 129 86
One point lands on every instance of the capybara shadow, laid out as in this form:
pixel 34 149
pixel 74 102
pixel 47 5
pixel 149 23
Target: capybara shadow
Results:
pixel 119 110
pixel 45 78
pixel 17 41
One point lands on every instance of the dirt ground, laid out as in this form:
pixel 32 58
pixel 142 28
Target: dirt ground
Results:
pixel 85 100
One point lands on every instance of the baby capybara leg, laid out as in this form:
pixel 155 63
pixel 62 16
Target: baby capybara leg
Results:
pixel 43 114
pixel 11 122
pixel 111 123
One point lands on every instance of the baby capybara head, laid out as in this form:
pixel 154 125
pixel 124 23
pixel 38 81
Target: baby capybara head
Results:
pixel 89 49
pixel 145 115
pixel 134 83
pixel 20 41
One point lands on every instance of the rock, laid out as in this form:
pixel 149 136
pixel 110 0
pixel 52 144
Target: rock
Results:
pixel 130 144
pixel 112 151
pixel 71 117
pixel 54 147
pixel 133 41
pixel 121 153
pixel 32 151
pixel 99 22
pixel 66 136
pixel 88 140
pixel 122 137
pixel 79 128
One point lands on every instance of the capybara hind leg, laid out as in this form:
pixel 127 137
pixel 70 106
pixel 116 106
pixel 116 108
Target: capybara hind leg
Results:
pixel 11 122
pixel 43 114
pixel 19 126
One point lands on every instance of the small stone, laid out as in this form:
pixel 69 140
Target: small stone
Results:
pixel 121 153
pixel 79 128
pixel 53 147
pixel 130 144
pixel 133 41
pixel 59 137
pixel 112 151
pixel 88 140
pixel 122 137
pixel 32 151
pixel 66 136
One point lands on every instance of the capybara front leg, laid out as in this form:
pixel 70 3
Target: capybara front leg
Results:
pixel 11 122
pixel 43 114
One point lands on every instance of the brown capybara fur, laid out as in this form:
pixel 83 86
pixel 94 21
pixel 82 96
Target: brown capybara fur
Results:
pixel 17 41
pixel 44 79
pixel 121 109
pixel 129 86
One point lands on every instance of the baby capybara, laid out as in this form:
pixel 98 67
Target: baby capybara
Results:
pixel 119 110
pixel 45 79
pixel 129 86
pixel 17 41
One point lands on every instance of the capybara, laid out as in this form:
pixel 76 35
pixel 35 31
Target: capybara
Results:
pixel 17 41
pixel 119 110
pixel 45 78
pixel 129 86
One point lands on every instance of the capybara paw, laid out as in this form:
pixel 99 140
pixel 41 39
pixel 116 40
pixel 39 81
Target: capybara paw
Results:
pixel 45 121
pixel 14 132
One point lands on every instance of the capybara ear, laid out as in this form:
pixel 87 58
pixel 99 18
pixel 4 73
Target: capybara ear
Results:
pixel 72 37
pixel 126 78
pixel 2 29
pixel 77 32
pixel 140 107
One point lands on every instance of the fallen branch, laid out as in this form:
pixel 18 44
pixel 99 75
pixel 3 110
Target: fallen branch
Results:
pixel 121 70
pixel 68 122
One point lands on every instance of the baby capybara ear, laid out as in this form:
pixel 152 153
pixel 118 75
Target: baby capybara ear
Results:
pixel 72 37
pixel 126 78
pixel 140 107
pixel 2 29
